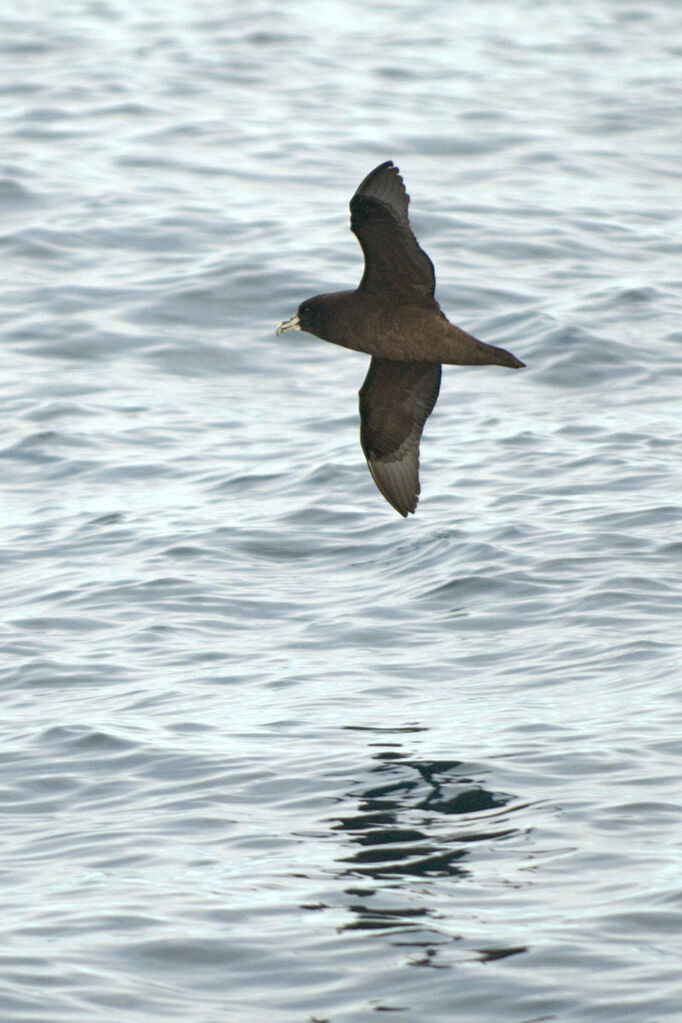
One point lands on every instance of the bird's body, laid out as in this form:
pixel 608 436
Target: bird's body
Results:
pixel 394 317
pixel 374 324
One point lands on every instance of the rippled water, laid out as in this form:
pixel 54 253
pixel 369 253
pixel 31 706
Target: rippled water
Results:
pixel 270 751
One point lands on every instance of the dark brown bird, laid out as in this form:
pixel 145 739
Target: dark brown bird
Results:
pixel 393 316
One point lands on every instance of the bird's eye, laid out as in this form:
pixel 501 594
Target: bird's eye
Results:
pixel 305 310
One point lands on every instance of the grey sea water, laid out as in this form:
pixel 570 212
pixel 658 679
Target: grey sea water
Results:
pixel 268 750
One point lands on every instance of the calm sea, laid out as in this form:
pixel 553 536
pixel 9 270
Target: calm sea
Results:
pixel 270 752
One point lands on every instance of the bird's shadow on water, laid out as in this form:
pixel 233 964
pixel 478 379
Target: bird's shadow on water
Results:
pixel 414 829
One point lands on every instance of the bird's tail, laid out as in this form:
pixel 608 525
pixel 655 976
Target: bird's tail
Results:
pixel 491 354
pixel 467 350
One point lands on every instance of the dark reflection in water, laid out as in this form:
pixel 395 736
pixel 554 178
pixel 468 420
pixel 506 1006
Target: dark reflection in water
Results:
pixel 418 821
pixel 382 919
pixel 491 955
pixel 399 825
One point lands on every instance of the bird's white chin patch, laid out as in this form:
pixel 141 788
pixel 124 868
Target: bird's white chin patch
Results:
pixel 293 324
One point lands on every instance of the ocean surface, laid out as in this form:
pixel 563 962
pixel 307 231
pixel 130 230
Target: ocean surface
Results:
pixel 269 751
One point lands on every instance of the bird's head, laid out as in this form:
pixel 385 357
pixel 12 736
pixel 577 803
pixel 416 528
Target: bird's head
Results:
pixel 317 315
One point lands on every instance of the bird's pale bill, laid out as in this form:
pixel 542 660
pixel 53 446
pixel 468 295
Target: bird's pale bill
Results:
pixel 293 324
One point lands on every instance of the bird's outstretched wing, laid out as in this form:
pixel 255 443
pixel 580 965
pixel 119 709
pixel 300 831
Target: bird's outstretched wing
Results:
pixel 393 258
pixel 395 401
